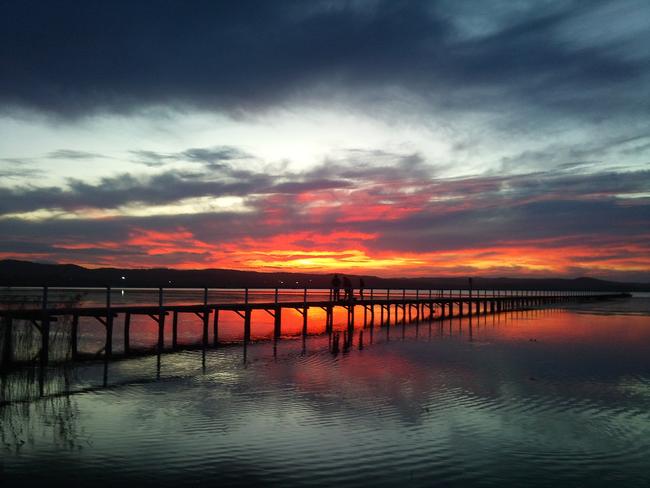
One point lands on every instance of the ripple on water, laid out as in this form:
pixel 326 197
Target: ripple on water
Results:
pixel 437 411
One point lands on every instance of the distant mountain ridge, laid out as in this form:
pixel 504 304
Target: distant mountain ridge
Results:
pixel 26 273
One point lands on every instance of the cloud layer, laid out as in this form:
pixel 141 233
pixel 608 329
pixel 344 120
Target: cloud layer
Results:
pixel 72 58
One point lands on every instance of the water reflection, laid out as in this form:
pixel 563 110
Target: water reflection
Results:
pixel 538 397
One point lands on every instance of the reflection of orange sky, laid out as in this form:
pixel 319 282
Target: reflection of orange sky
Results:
pixel 353 252
pixel 561 327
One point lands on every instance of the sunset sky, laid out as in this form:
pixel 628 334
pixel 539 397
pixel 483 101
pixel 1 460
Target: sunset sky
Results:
pixel 436 138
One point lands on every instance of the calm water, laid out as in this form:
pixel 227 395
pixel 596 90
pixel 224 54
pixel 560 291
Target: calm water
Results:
pixel 541 398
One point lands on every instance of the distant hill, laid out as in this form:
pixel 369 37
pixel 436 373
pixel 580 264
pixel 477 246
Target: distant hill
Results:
pixel 25 273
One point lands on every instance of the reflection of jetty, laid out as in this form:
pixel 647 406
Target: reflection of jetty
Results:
pixel 398 305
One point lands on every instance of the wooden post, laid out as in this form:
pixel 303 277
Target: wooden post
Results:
pixel 328 319
pixel 206 321
pixel 304 312
pixel 45 330
pixel 335 343
pixel 247 324
pixel 127 333
pixel 74 335
pixel 277 322
pixel 215 328
pixel 108 349
pixel 347 341
pixel 175 330
pixel 161 322
pixel 161 332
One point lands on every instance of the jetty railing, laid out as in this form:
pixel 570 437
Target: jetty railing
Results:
pixel 61 297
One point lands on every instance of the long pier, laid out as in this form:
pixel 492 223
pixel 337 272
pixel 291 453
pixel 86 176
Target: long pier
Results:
pixel 379 307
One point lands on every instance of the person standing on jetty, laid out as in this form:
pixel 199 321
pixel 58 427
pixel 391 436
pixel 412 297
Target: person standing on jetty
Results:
pixel 347 286
pixel 336 288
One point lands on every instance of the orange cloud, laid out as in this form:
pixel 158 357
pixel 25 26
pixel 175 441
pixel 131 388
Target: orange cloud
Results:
pixel 352 251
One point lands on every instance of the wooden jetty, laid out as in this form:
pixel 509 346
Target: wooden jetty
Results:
pixel 392 307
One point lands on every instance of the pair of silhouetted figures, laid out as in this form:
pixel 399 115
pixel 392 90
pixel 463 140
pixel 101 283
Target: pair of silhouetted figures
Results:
pixel 347 288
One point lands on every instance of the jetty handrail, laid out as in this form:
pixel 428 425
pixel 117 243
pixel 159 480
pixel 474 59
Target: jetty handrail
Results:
pixel 62 296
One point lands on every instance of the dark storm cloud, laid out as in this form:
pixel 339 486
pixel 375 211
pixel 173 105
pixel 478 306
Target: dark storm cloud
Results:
pixel 72 58
pixel 18 173
pixel 112 192
pixel 151 159
pixel 573 156
pixel 214 157
pixel 17 168
pixel 374 165
pixel 73 154
pixel 210 157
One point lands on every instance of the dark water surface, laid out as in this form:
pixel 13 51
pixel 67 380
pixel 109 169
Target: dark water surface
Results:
pixel 537 398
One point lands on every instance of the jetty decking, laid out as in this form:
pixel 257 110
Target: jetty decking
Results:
pixel 379 307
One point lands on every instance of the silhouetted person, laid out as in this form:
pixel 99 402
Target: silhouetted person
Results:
pixel 347 286
pixel 336 288
pixel 362 285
